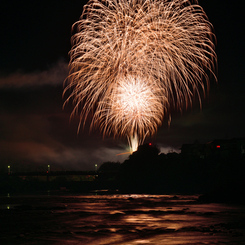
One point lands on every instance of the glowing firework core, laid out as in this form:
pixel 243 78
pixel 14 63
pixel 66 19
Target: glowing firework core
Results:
pixel 135 102
pixel 132 59
pixel 132 99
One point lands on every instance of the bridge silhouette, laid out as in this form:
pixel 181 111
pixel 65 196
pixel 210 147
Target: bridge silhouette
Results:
pixel 54 173
pixel 81 181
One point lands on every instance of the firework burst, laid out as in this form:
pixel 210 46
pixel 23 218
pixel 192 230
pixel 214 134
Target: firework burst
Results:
pixel 133 59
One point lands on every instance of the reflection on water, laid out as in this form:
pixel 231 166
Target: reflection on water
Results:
pixel 118 219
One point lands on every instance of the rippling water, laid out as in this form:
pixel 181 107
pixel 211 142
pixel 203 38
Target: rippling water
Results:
pixel 118 219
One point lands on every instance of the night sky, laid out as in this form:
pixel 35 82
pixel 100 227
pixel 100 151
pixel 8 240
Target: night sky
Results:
pixel 34 128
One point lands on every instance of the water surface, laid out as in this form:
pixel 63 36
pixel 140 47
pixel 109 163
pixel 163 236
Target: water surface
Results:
pixel 118 219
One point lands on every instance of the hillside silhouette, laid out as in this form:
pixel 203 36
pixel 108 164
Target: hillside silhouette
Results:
pixel 216 173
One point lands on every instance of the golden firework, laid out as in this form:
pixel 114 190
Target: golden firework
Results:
pixel 131 59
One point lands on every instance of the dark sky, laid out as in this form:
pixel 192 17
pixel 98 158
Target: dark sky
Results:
pixel 36 131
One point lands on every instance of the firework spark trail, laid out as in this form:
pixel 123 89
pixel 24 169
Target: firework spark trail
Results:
pixel 131 59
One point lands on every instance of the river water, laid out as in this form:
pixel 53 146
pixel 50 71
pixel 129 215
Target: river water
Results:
pixel 118 219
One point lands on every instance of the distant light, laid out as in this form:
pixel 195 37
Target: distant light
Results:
pixel 150 144
pixel 218 146
pixel 47 171
pixel 8 166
